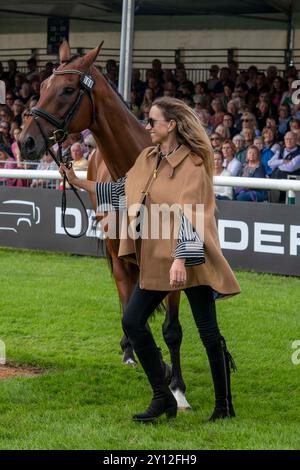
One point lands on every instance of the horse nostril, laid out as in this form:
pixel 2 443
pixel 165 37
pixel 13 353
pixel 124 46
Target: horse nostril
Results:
pixel 30 143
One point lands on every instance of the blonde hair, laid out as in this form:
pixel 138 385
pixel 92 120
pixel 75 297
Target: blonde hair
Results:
pixel 190 131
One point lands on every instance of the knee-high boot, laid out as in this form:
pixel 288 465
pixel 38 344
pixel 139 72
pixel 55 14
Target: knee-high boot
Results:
pixel 163 400
pixel 221 361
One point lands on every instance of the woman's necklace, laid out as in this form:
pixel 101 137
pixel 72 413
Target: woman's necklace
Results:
pixel 162 155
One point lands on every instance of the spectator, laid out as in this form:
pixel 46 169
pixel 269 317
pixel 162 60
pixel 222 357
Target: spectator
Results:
pixel 262 113
pixel 216 140
pixel 253 169
pixel 241 150
pixel 157 70
pixel 217 117
pixel 213 79
pixel 227 94
pixel 112 72
pixel 148 97
pixel 32 70
pixel 223 131
pixel 9 100
pixel 6 114
pixel 91 145
pixel 204 117
pixel 156 87
pixel 277 90
pixel 294 126
pixel 287 160
pixel 25 92
pixel 5 137
pixel 138 85
pixel 231 163
pixel 224 78
pixel 7 162
pixel 283 119
pixel 252 74
pixel 221 192
pixel 248 135
pixel 228 121
pixel 233 109
pixel 201 94
pixel 48 164
pixel 12 71
pixel 269 139
pixel 18 108
pixel 249 122
pixel 170 89
pixel 135 109
pixel 272 73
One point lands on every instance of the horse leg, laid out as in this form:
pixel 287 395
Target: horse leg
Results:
pixel 172 333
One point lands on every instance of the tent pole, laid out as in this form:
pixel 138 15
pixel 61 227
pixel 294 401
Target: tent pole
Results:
pixel 123 47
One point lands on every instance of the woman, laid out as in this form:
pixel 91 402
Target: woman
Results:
pixel 179 169
pixel 249 122
pixel 218 112
pixel 253 169
pixel 241 151
pixel 221 192
pixel 231 163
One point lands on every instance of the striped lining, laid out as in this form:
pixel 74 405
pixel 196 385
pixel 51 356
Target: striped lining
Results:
pixel 189 244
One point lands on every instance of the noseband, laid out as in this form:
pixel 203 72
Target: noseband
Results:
pixel 60 133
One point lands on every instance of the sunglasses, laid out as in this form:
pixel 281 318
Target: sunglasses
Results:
pixel 151 122
pixel 246 120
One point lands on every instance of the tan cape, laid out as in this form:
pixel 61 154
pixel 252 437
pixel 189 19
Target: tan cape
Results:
pixel 181 178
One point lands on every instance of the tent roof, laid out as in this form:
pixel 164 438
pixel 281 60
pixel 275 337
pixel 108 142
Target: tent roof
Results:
pixel 111 10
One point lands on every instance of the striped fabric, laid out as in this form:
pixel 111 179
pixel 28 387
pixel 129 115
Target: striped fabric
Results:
pixel 189 245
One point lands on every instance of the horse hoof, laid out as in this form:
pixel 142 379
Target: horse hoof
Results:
pixel 182 403
pixel 129 359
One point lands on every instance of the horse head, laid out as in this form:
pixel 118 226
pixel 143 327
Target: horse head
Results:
pixel 66 104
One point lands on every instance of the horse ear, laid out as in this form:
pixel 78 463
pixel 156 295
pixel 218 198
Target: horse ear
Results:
pixel 91 56
pixel 64 51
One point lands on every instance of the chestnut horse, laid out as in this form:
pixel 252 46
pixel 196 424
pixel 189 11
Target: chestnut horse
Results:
pixel 75 97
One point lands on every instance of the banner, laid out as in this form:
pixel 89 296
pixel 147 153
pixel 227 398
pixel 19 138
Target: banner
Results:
pixel 262 237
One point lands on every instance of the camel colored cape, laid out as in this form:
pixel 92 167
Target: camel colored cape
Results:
pixel 181 178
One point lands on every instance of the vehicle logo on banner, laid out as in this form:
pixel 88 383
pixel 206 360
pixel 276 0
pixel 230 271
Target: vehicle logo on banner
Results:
pixel 17 213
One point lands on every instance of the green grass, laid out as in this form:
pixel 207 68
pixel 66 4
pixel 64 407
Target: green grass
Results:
pixel 61 312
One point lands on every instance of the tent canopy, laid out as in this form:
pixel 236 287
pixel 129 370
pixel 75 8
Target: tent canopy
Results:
pixel 111 10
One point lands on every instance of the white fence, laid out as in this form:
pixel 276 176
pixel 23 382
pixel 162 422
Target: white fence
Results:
pixel 291 186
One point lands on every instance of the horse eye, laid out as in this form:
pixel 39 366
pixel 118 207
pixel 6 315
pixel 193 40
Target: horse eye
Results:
pixel 68 91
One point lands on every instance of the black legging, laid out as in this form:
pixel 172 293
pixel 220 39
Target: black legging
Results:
pixel 143 302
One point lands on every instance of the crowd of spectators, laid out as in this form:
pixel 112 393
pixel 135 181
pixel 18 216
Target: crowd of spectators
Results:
pixel 250 116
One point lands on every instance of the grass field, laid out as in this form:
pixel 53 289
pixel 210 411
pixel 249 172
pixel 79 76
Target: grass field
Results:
pixel 61 313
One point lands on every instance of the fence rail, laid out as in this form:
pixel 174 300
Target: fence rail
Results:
pixel 291 186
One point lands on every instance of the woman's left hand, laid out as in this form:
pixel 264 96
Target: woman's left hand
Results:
pixel 178 273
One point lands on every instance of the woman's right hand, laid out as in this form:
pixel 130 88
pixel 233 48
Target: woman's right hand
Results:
pixel 69 172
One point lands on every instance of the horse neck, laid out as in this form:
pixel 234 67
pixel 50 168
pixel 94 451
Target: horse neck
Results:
pixel 119 136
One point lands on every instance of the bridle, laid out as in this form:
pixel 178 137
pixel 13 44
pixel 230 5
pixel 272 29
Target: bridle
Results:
pixel 60 133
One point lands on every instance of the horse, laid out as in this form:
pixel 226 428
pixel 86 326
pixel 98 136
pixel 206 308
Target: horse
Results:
pixel 78 96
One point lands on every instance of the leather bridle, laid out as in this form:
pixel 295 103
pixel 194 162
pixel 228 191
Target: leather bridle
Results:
pixel 60 133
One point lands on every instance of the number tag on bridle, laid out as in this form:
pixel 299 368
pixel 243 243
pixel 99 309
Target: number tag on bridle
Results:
pixel 87 82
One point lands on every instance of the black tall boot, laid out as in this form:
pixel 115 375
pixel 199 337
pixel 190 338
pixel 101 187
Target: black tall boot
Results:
pixel 163 400
pixel 220 361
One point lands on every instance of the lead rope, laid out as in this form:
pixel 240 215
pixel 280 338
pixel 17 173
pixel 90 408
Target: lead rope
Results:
pixel 60 159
